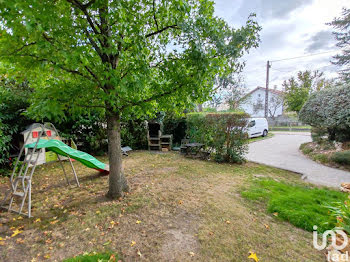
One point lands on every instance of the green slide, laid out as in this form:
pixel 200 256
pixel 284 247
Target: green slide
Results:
pixel 62 149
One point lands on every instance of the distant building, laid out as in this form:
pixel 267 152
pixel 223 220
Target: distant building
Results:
pixel 253 103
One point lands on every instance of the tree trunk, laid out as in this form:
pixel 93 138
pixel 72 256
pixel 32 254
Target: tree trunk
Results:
pixel 117 182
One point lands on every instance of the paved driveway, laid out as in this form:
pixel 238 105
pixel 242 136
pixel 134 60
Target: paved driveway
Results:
pixel 282 151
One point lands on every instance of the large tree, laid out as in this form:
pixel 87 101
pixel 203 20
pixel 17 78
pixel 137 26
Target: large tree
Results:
pixel 298 90
pixel 124 57
pixel 342 35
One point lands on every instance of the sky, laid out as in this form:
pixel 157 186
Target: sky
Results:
pixel 290 28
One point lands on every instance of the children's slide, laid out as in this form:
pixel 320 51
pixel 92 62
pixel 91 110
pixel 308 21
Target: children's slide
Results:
pixel 61 148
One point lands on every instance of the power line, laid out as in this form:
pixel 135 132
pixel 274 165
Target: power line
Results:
pixel 284 59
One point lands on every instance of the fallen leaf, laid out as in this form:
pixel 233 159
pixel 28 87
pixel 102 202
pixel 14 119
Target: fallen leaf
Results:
pixel 139 253
pixel 275 214
pixel 19 218
pixel 112 258
pixel 2 243
pixel 132 243
pixel 19 241
pixel 138 222
pixel 47 256
pixel 180 202
pixel 48 241
pixel 228 222
pixel 98 212
pixel 16 232
pixel 107 243
pixel 253 256
pixel 37 220
pixel 266 226
pixel 191 254
pixel 54 222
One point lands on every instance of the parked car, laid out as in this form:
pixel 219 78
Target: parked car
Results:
pixel 257 127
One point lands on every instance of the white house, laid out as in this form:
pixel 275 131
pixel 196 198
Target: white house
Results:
pixel 254 102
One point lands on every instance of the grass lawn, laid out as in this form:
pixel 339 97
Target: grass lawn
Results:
pixel 291 128
pixel 178 210
pixel 254 139
pixel 301 205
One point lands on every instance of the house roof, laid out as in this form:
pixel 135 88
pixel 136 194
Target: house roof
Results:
pixel 274 91
pixel 33 126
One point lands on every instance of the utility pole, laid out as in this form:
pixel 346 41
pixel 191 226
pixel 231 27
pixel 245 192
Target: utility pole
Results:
pixel 268 65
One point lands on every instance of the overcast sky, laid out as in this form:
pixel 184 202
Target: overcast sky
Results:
pixel 290 28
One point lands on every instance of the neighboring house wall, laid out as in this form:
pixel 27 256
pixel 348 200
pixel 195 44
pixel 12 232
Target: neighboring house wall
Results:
pixel 254 103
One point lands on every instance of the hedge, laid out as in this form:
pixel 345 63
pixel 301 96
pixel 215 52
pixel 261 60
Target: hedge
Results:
pixel 223 134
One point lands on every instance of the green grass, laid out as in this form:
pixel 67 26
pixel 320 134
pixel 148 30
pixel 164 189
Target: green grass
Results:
pixel 269 135
pixel 301 206
pixel 93 257
pixel 299 127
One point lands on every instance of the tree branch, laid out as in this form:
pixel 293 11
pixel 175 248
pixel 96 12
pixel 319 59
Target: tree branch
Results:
pixel 68 70
pixel 87 5
pixel 154 97
pixel 94 76
pixel 21 48
pixel 161 30
pixel 83 8
pixel 154 15
pixel 93 43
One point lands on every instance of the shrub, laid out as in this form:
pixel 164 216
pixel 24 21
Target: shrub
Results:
pixel 223 134
pixel 305 148
pixel 341 212
pixel 321 158
pixel 134 134
pixel 342 158
pixel 175 125
pixel 329 109
pixel 318 134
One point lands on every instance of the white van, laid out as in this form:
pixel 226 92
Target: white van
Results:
pixel 257 127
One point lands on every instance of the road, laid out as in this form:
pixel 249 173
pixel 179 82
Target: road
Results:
pixel 282 151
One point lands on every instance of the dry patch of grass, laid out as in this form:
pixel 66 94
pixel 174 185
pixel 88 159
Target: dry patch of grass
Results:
pixel 178 210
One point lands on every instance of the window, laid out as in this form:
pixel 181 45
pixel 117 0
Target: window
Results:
pixel 35 134
pixel 251 123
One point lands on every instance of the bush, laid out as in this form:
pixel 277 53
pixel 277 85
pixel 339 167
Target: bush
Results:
pixel 176 126
pixel 222 134
pixel 14 100
pixel 342 158
pixel 305 148
pixel 134 134
pixel 341 212
pixel 318 134
pixel 321 158
pixel 330 110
